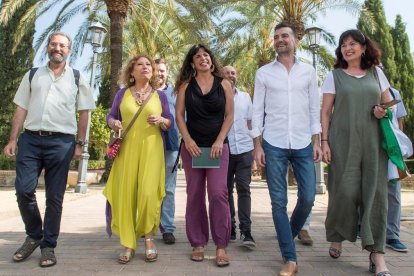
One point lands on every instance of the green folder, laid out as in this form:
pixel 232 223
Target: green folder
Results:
pixel 204 160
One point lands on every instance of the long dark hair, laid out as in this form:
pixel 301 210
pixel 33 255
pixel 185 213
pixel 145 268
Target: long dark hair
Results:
pixel 187 70
pixel 371 56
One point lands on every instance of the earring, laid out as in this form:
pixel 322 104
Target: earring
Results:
pixel 194 72
pixel 212 68
pixel 131 80
pixel 363 54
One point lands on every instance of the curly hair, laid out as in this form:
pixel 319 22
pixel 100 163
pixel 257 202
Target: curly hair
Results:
pixel 187 71
pixel 371 56
pixel 125 73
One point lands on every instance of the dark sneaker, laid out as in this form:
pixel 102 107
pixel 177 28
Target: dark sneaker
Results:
pixel 233 235
pixel 168 238
pixel 305 238
pixel 247 240
pixel 396 245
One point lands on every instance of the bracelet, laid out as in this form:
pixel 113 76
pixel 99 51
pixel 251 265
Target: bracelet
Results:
pixel 324 140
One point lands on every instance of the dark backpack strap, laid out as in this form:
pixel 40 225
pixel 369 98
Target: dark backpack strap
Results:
pixel 178 156
pixel 76 74
pixel 31 75
pixel 392 93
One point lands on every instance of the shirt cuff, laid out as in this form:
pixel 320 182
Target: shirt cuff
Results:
pixel 316 129
pixel 255 132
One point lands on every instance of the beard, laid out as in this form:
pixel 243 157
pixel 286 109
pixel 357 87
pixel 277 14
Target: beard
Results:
pixel 57 58
pixel 162 81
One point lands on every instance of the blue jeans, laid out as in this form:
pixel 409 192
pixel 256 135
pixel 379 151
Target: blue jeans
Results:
pixel 394 211
pixel 53 154
pixel 276 168
pixel 168 203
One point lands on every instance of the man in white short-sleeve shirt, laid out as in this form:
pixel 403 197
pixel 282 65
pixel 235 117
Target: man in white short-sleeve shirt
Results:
pixel 46 108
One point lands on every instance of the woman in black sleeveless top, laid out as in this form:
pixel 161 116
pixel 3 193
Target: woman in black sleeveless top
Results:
pixel 205 100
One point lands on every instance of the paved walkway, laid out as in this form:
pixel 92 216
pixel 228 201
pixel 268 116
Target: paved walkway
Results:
pixel 84 248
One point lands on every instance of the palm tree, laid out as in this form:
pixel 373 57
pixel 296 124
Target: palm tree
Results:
pixel 117 12
pixel 247 31
pixel 190 17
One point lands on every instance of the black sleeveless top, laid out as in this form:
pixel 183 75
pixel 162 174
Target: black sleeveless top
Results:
pixel 205 113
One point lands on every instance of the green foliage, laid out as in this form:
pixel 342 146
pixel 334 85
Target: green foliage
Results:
pixel 404 81
pixel 99 134
pixel 92 165
pixel 13 67
pixel 7 163
pixel 380 32
pixel 104 98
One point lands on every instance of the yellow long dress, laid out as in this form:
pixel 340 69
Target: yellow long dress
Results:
pixel 135 187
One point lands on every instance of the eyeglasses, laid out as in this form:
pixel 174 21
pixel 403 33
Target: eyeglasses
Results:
pixel 55 45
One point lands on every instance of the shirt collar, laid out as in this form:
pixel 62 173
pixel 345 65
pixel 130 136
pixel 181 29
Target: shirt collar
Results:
pixel 296 60
pixel 64 69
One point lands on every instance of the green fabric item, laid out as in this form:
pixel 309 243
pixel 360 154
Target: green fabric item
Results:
pixel 390 142
pixel 357 181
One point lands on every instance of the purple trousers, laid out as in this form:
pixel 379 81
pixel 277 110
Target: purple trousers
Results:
pixel 196 211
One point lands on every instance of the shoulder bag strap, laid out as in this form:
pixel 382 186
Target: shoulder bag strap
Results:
pixel 136 115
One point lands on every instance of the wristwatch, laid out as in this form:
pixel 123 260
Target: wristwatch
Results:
pixel 80 142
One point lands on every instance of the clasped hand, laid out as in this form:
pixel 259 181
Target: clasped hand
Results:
pixel 155 119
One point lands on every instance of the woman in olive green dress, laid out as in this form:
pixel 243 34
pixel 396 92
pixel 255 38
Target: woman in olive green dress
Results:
pixel 351 145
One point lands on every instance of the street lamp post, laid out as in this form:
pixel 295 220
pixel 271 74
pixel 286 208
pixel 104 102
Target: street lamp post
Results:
pixel 96 35
pixel 313 35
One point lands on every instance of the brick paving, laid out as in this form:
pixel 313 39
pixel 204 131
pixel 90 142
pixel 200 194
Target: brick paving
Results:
pixel 84 248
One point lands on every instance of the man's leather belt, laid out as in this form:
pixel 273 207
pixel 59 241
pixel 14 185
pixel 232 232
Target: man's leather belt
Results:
pixel 44 133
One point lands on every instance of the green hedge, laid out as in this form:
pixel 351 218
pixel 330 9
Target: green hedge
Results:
pixel 10 164
pixel 7 163
pixel 92 164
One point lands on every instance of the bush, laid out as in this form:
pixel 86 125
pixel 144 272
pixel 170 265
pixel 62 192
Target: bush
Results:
pixel 92 164
pixel 7 163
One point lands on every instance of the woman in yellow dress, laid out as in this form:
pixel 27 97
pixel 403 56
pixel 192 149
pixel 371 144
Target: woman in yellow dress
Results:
pixel 135 186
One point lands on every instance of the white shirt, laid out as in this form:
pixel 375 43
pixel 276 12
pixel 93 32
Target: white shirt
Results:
pixel 286 105
pixel 52 102
pixel 400 112
pixel 239 134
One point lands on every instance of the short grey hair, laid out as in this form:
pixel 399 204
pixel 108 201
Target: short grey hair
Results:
pixel 61 34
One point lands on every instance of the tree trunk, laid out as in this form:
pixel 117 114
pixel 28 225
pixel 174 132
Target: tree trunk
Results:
pixel 117 24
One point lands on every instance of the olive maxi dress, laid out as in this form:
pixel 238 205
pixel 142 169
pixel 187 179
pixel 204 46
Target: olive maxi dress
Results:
pixel 358 171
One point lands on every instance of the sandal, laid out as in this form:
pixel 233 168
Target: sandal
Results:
pixel 151 254
pixel 26 249
pixel 335 252
pixel 222 259
pixel 126 256
pixel 48 257
pixel 198 254
pixel 372 267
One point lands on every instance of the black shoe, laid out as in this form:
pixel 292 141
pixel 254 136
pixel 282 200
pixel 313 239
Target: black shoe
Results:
pixel 233 235
pixel 168 238
pixel 247 239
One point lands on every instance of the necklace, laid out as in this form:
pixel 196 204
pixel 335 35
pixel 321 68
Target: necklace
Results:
pixel 139 95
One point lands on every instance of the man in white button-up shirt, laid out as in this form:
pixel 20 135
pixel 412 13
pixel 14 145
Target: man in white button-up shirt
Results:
pixel 46 108
pixel 240 161
pixel 286 114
